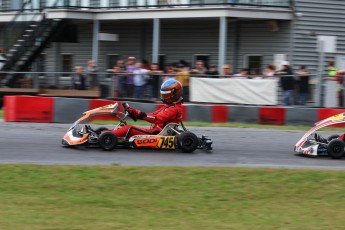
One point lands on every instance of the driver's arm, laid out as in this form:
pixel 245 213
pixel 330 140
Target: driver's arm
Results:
pixel 162 115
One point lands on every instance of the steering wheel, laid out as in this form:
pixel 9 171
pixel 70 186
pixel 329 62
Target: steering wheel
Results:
pixel 125 106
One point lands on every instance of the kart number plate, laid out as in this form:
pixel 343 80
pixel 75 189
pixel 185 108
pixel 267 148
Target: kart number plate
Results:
pixel 166 143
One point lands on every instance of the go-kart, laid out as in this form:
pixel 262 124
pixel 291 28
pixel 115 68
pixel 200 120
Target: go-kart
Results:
pixel 172 136
pixel 313 144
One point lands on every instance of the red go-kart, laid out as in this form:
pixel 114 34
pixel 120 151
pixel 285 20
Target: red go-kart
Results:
pixel 173 135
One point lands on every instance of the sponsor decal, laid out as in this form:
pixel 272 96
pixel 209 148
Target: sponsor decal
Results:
pixel 108 106
pixel 167 142
pixel 150 142
pixel 337 117
pixel 145 141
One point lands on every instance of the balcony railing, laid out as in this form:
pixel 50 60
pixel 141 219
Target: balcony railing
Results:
pixel 38 5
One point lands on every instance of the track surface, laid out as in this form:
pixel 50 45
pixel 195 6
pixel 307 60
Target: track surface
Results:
pixel 40 144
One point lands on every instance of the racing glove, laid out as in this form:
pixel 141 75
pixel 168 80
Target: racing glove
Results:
pixel 135 113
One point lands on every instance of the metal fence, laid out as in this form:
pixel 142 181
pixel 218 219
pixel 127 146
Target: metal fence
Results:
pixel 113 85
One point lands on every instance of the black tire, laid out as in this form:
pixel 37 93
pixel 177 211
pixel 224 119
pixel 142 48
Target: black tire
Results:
pixel 335 136
pixel 335 149
pixel 107 141
pixel 100 130
pixel 187 142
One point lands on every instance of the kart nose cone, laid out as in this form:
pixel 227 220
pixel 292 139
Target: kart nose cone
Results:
pixel 63 142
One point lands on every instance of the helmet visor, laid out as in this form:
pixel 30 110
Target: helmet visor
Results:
pixel 166 94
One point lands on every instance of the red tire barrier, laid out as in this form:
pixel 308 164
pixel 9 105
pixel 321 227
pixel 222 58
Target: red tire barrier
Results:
pixel 29 109
pixel 219 113
pixel 271 115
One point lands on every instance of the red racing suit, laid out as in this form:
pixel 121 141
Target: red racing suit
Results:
pixel 170 113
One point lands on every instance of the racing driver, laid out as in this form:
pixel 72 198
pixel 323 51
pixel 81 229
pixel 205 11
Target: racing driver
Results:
pixel 171 112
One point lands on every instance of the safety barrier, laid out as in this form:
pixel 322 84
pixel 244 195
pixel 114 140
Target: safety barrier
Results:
pixel 67 110
pixel 29 109
pixel 271 115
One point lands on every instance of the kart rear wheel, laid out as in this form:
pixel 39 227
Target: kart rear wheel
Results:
pixel 335 136
pixel 187 142
pixel 107 141
pixel 335 149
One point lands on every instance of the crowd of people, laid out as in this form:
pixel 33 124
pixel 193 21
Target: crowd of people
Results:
pixel 139 79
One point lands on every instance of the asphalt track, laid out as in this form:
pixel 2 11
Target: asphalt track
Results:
pixel 37 143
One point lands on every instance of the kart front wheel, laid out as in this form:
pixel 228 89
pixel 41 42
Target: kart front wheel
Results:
pixel 187 142
pixel 335 148
pixel 107 141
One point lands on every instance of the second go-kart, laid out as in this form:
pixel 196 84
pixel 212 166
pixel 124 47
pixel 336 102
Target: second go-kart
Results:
pixel 314 144
pixel 172 136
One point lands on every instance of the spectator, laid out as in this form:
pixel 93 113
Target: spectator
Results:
pixel 243 74
pixel 332 70
pixel 78 79
pixel 156 75
pixel 253 74
pixel 149 81
pixel 269 71
pixel 185 64
pixel 182 76
pixel 169 73
pixel 199 69
pixel 130 77
pixel 91 73
pixel 212 72
pixel 140 79
pixel 340 79
pixel 287 83
pixel 335 75
pixel 145 64
pixel 119 78
pixel 226 71
pixel 302 80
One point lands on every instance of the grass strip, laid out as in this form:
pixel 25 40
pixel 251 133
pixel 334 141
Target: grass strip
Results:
pixel 117 197
pixel 226 125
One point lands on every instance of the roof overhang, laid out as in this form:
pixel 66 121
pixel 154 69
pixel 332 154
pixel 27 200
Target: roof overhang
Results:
pixel 150 13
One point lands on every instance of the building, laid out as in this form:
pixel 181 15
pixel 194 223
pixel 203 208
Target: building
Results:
pixel 55 35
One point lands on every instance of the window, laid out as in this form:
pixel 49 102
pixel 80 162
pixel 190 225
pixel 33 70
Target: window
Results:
pixel 202 57
pixel 110 60
pixel 67 63
pixel 95 3
pixel 114 3
pixel 253 62
pixel 69 33
pixel 79 3
pixel 132 3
